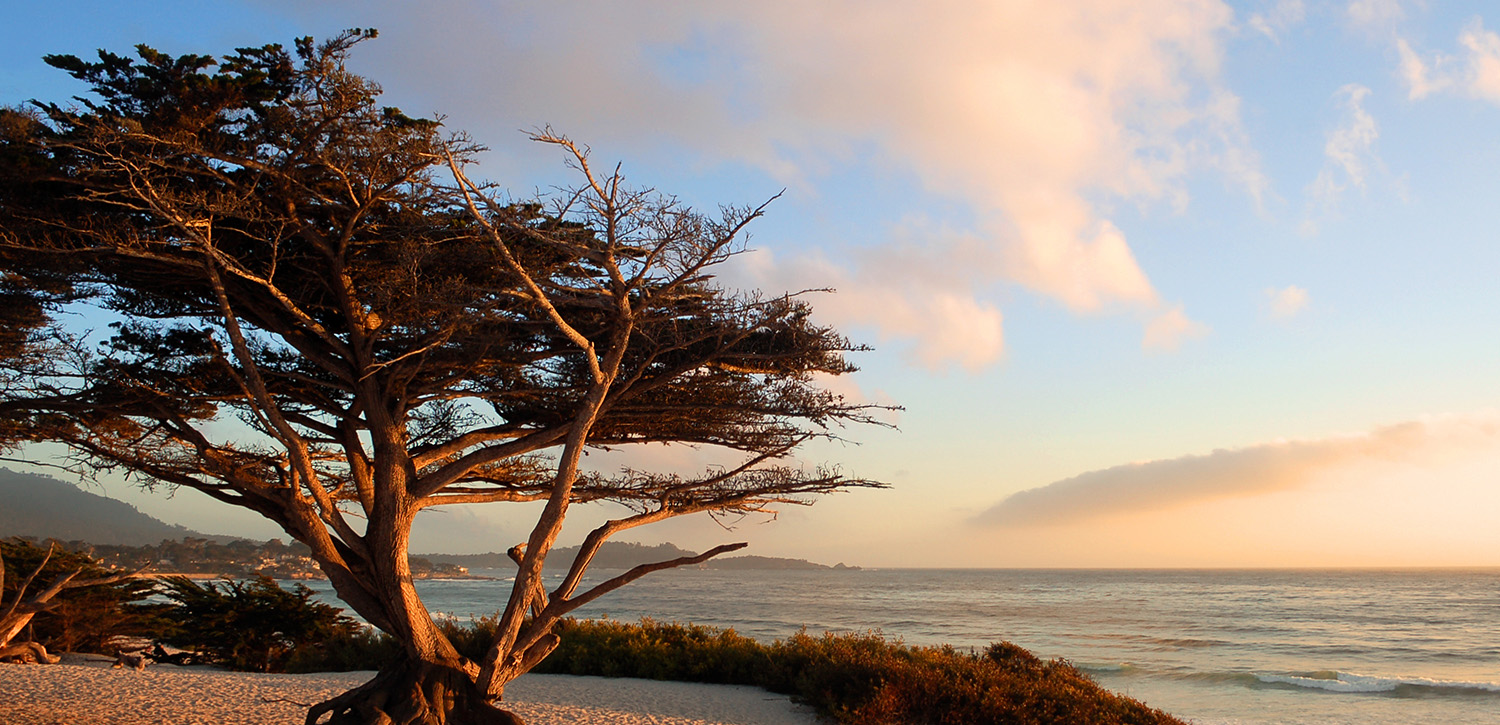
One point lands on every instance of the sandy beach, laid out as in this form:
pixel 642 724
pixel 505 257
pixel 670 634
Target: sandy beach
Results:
pixel 84 690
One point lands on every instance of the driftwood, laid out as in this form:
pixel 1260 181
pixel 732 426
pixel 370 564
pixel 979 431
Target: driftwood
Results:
pixel 180 658
pixel 27 653
pixel 18 613
pixel 133 660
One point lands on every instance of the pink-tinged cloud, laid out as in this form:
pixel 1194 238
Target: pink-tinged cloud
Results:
pixel 1239 472
pixel 1034 115
pixel 921 298
pixel 1278 18
pixel 1286 302
pixel 1375 14
pixel 1167 330
pixel 1473 71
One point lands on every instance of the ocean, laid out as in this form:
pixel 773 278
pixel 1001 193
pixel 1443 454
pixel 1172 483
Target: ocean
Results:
pixel 1215 647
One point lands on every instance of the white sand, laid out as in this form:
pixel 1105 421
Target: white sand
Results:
pixel 88 692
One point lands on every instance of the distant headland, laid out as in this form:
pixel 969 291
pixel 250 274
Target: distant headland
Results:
pixel 41 507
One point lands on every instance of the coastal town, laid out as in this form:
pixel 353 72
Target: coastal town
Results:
pixel 201 557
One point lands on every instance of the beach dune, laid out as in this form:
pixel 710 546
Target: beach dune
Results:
pixel 84 690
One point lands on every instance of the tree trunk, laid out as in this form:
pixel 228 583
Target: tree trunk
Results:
pixel 413 693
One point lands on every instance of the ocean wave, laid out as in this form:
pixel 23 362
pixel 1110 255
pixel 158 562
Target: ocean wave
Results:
pixel 1158 643
pixel 1368 684
pixel 1122 668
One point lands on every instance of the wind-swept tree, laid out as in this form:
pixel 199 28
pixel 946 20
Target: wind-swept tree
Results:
pixel 30 345
pixel 391 336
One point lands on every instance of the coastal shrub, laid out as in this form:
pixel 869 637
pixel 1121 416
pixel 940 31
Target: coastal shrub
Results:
pixel 86 619
pixel 252 624
pixel 861 679
pixel 855 678
pixel 650 650
pixel 473 639
pixel 363 648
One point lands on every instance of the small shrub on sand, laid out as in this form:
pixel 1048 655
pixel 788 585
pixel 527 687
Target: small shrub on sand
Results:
pixel 253 624
pixel 362 648
pixel 859 679
pixel 681 652
pixel 856 678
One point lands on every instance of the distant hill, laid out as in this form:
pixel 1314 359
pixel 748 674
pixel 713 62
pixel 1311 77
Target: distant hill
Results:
pixel 613 555
pixel 624 555
pixel 44 507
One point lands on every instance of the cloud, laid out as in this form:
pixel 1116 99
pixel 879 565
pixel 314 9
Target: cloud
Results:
pixel 1418 73
pixel 1349 152
pixel 1279 18
pixel 1033 116
pixel 920 294
pixel 1166 332
pixel 467 529
pixel 1225 473
pixel 1286 302
pixel 1375 14
pixel 1483 48
pixel 1474 71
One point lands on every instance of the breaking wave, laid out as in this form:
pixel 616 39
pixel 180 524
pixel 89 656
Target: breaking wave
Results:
pixel 1353 683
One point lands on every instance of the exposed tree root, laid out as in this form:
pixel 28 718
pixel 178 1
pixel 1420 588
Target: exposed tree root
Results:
pixel 413 693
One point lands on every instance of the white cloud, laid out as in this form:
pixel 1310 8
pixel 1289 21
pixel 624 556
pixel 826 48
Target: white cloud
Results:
pixel 1350 146
pixel 922 295
pixel 1225 473
pixel 1375 14
pixel 1167 330
pixel 1474 71
pixel 1483 46
pixel 1030 114
pixel 1421 80
pixel 1349 152
pixel 1286 302
pixel 1279 18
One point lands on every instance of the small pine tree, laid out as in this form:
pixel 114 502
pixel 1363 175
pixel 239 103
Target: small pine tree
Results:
pixel 252 624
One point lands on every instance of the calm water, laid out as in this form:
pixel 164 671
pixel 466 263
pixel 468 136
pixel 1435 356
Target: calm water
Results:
pixel 1241 647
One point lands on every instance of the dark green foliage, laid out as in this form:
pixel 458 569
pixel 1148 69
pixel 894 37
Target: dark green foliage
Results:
pixel 855 678
pixel 86 619
pixel 654 651
pixel 472 639
pixel 253 624
pixel 361 648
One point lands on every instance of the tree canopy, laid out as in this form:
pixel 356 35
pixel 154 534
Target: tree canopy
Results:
pixel 388 334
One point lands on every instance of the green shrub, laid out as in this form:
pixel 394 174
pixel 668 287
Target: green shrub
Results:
pixel 855 678
pixel 253 624
pixel 361 649
pixel 473 639
pixel 654 651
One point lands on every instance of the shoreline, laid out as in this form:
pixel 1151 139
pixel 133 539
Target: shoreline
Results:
pixel 85 690
pixel 206 576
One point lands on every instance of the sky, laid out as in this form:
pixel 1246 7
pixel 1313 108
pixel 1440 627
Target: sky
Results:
pixel 1157 283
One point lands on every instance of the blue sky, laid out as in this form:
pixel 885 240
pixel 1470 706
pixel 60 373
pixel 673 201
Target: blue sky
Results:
pixel 1217 279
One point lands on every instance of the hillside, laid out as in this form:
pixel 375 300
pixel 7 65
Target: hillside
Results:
pixel 45 507
pixel 624 555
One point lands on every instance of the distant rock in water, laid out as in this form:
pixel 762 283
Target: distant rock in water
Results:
pixel 44 507
pixel 624 555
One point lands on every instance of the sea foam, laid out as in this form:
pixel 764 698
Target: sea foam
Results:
pixel 1347 682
